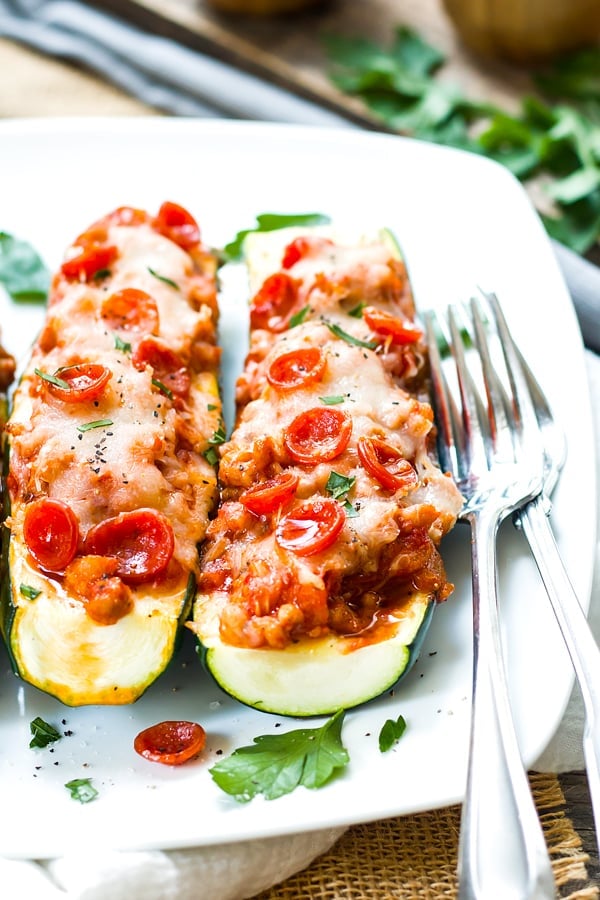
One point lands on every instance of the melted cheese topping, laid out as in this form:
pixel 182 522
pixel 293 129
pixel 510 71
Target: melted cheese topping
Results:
pixel 152 452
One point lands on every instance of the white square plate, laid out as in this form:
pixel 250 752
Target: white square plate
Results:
pixel 461 221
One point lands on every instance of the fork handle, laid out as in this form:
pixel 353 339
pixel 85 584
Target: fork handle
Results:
pixel 502 851
pixel 576 631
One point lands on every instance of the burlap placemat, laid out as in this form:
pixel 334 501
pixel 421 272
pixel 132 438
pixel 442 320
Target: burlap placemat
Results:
pixel 414 857
pixel 35 85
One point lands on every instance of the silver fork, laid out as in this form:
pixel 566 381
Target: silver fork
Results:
pixel 535 524
pixel 495 454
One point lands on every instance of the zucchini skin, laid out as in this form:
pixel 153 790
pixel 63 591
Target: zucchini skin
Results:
pixel 325 678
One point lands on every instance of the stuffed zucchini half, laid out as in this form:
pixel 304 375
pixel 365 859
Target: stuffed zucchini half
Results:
pixel 320 572
pixel 109 488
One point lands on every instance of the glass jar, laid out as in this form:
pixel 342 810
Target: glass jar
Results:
pixel 525 30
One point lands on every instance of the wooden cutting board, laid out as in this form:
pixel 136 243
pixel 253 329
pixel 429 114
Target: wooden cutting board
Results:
pixel 288 50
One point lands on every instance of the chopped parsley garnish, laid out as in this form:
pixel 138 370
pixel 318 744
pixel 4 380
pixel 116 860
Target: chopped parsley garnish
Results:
pixel 211 407
pixel 100 274
pixel 299 317
pixel 349 338
pixel 219 437
pixel 57 382
pixel 276 764
pixel 332 400
pixel 43 733
pixel 356 311
pixel 82 789
pixel 22 271
pixel 211 456
pixel 164 278
pixel 271 222
pixel 120 344
pixel 26 590
pixel 391 732
pixel 162 388
pixel 339 486
pixel 99 423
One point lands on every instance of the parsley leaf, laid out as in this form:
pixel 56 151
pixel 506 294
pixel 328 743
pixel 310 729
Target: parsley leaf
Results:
pixel 99 423
pixel 271 222
pixel 120 344
pixel 43 733
pixel 349 338
pixel 219 436
pixel 556 144
pixel 339 485
pixel 22 271
pixel 332 399
pixel 82 789
pixel 164 279
pixel 52 379
pixel 390 733
pixel 26 590
pixel 276 764
pixel 299 317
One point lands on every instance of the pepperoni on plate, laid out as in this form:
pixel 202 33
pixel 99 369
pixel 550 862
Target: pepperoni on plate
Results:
pixel 311 527
pixel 273 302
pixel 270 495
pixel 384 323
pixel 76 384
pixel 130 310
pixel 167 366
pixel 51 533
pixel 142 541
pixel 386 464
pixel 171 742
pixel 89 261
pixel 302 247
pixel 177 224
pixel 318 435
pixel 296 369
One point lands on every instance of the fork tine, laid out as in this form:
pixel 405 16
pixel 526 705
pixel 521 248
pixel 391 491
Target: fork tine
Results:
pixel 449 445
pixel 476 436
pixel 526 430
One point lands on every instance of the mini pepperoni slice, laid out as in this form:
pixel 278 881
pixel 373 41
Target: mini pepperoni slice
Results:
pixel 89 260
pixel 312 527
pixel 171 742
pixel 167 366
pixel 296 369
pixel 77 384
pixel 384 323
pixel 51 533
pixel 272 304
pixel 142 541
pixel 130 310
pixel 176 223
pixel 302 247
pixel 318 435
pixel 270 495
pixel 386 464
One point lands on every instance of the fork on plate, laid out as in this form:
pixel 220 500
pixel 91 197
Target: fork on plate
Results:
pixel 534 521
pixel 494 451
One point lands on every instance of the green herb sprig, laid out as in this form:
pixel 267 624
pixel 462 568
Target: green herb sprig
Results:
pixel 391 732
pixel 82 789
pixel 22 271
pixel 277 764
pixel 558 141
pixel 271 222
pixel 43 733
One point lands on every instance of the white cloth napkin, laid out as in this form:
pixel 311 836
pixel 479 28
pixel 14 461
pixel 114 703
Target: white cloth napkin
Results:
pixel 181 82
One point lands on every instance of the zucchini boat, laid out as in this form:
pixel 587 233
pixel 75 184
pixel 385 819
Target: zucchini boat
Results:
pixel 320 573
pixel 108 486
